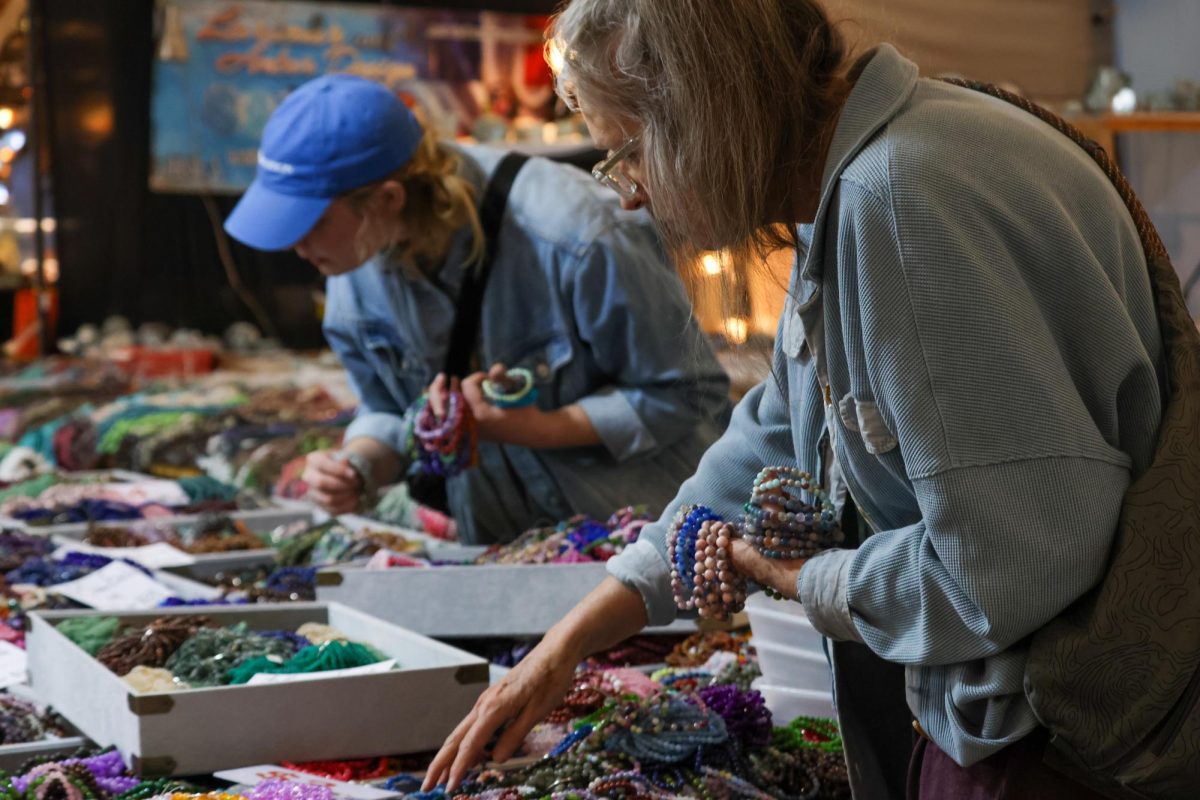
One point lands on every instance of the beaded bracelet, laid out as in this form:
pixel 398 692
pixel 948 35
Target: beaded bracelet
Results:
pixel 703 579
pixel 445 446
pixel 780 524
pixel 515 391
pixel 681 551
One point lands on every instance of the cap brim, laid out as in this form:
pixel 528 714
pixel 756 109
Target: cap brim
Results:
pixel 267 220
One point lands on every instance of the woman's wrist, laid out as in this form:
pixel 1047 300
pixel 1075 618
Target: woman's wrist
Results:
pixel 368 492
pixel 610 614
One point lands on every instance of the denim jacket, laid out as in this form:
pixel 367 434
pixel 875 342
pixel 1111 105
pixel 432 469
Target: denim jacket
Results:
pixel 581 294
pixel 970 333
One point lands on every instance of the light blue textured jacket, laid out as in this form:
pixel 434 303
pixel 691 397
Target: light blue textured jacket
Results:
pixel 977 302
pixel 583 296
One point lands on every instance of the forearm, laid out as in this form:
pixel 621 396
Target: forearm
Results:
pixel 568 426
pixel 611 613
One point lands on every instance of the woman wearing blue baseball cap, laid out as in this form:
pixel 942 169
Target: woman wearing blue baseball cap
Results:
pixel 448 261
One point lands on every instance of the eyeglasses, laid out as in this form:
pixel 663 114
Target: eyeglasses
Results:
pixel 610 173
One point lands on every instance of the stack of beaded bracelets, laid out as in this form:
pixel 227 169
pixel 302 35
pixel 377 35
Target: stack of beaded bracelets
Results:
pixel 702 578
pixel 779 524
pixel 444 446
pixel 515 391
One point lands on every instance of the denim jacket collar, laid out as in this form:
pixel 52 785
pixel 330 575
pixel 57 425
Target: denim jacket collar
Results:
pixel 885 85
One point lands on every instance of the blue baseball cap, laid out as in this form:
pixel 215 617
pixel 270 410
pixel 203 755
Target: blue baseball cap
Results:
pixel 330 135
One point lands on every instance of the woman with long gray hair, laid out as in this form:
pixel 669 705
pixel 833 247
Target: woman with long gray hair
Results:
pixel 969 352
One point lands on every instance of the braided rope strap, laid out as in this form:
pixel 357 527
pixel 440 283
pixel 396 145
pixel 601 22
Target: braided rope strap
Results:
pixel 1116 677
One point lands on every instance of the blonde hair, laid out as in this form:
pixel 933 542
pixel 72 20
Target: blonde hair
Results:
pixel 726 93
pixel 438 202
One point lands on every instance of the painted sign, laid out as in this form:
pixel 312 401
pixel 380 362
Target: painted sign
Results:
pixel 221 67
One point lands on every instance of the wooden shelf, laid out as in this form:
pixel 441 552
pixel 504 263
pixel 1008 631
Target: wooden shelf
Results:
pixel 1103 128
pixel 1141 121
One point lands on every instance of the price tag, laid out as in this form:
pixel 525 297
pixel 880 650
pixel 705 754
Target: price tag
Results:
pixel 252 776
pixel 13 665
pixel 264 678
pixel 151 556
pixel 114 587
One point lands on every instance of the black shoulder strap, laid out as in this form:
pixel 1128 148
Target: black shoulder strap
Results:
pixel 464 336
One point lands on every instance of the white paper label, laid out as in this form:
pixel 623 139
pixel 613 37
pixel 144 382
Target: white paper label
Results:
pixel 151 556
pixel 370 669
pixel 114 587
pixel 252 776
pixel 13 665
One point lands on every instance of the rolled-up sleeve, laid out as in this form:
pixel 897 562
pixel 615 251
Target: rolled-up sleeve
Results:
pixel 633 314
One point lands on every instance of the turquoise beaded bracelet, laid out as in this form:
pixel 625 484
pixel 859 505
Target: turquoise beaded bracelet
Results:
pixel 525 396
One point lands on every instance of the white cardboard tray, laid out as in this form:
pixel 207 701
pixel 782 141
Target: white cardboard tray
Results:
pixel 258 520
pixel 787 703
pixel 466 601
pixel 410 709
pixel 204 565
pixel 13 756
pixel 782 622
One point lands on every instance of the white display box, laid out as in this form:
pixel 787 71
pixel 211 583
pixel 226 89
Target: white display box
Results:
pixel 359 523
pixel 791 667
pixel 468 601
pixel 410 709
pixel 12 756
pixel 258 520
pixel 782 622
pixel 204 566
pixel 786 703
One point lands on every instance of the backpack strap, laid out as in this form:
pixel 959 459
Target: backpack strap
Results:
pixel 464 336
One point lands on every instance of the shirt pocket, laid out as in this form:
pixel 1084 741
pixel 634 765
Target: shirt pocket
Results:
pixel 405 378
pixel 863 417
pixel 547 356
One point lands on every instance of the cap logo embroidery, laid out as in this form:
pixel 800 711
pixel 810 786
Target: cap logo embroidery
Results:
pixel 271 165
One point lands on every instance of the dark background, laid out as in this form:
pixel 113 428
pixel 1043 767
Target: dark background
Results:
pixel 123 249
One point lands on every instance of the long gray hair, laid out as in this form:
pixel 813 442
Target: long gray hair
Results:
pixel 727 94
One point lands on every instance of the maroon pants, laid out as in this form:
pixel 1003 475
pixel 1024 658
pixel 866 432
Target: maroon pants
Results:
pixel 1015 773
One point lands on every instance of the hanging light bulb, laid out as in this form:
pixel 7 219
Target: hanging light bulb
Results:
pixel 712 263
pixel 6 117
pixel 737 329
pixel 14 140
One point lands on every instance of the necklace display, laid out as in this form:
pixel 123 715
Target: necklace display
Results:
pixel 698 648
pixel 636 651
pixel 212 533
pixel 397 507
pixel 778 522
pixel 184 652
pixel 22 721
pixel 576 540
pixel 712 742
pixel 335 543
pixel 244 438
